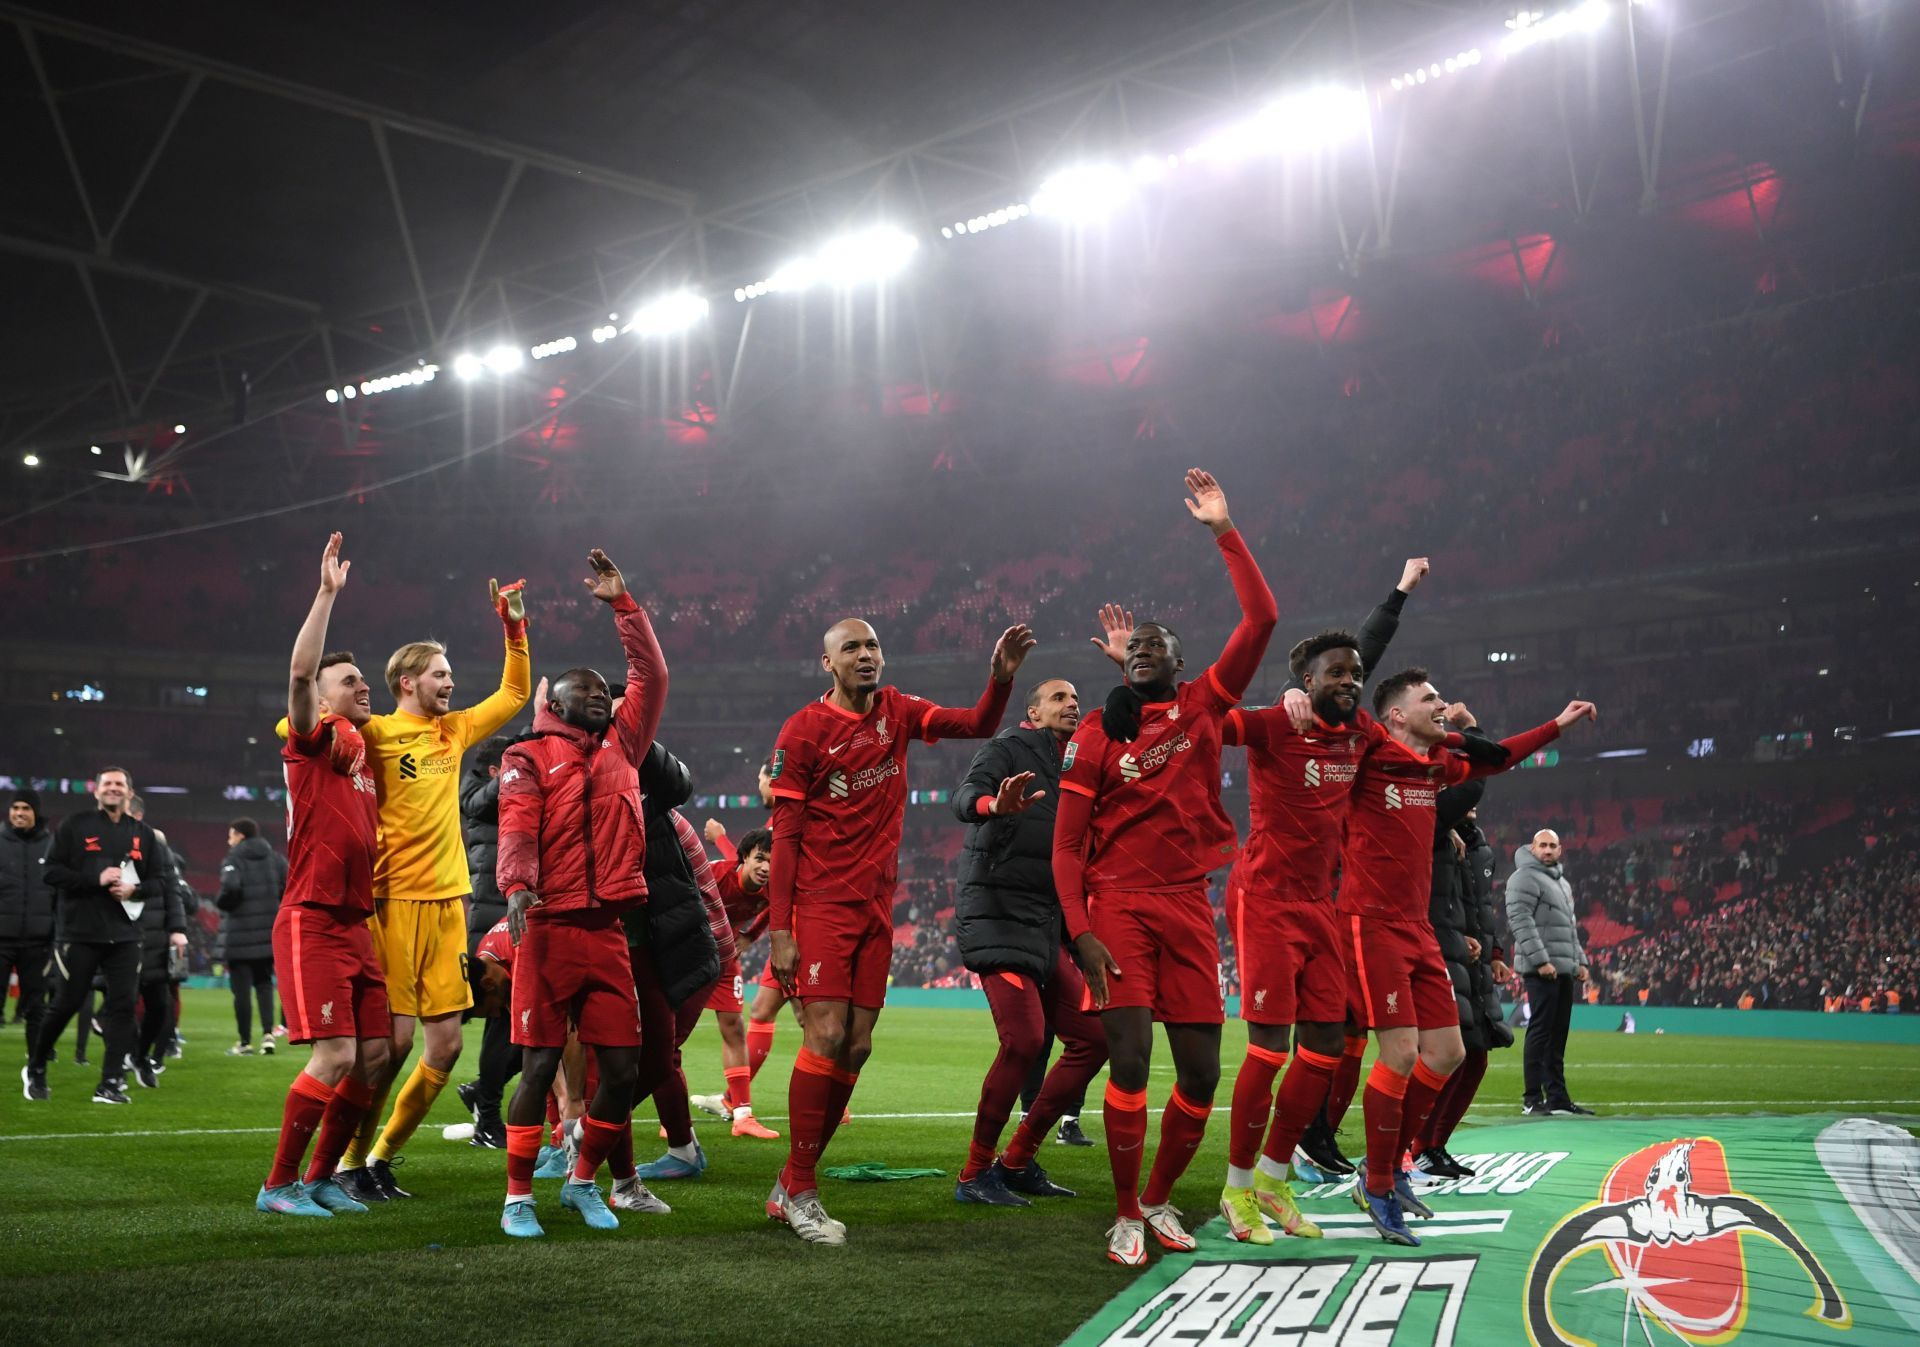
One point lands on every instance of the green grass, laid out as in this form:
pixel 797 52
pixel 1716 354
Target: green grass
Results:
pixel 136 1224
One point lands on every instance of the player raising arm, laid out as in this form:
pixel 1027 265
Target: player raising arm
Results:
pixel 1138 829
pixel 335 994
pixel 572 851
pixel 840 796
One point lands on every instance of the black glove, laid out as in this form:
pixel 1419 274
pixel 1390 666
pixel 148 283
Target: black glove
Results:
pixel 1484 752
pixel 1120 718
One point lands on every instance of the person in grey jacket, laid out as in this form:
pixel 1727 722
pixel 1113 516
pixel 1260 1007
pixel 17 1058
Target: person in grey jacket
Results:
pixel 1546 950
pixel 252 879
pixel 26 907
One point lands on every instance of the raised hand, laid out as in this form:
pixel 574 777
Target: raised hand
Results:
pixel 1116 625
pixel 1576 712
pixel 713 830
pixel 606 582
pixel 1010 652
pixel 1415 571
pixel 1299 708
pixel 333 571
pixel 1208 503
pixel 1012 797
pixel 509 600
pixel 1459 717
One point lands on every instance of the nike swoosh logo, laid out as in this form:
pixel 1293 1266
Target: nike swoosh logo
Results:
pixel 832 751
pixel 1134 1147
pixel 556 767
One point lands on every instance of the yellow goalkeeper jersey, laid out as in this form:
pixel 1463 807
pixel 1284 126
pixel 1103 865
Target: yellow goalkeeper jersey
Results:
pixel 416 776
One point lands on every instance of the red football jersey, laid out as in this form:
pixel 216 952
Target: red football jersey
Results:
pixel 849 773
pixel 1298 787
pixel 497 944
pixel 1386 867
pixel 1157 821
pixel 333 817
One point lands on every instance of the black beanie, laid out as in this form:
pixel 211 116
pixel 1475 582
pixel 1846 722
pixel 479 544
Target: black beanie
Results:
pixel 31 797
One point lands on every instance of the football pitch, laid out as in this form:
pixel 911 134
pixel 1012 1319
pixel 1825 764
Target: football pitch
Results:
pixel 136 1224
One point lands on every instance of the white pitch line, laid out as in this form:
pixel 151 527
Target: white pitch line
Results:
pixel 938 1117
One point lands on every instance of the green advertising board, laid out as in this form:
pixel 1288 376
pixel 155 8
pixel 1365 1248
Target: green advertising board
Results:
pixel 1591 1233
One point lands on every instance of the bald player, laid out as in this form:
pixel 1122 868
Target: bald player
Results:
pixel 839 797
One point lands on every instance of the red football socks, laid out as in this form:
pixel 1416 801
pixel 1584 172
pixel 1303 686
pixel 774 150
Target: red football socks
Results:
pixel 1302 1091
pixel 597 1140
pixel 979 1158
pixel 1026 1142
pixel 351 1100
pixel 838 1098
pixel 808 1093
pixel 1252 1103
pixel 1423 1088
pixel 523 1153
pixel 1346 1080
pixel 759 1044
pixel 1183 1124
pixel 306 1105
pixel 620 1158
pixel 739 1091
pixel 1126 1121
pixel 1382 1107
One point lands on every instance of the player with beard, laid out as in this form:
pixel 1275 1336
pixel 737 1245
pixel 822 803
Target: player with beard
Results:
pixel 1138 829
pixel 572 850
pixel 840 798
pixel 1386 878
pixel 333 991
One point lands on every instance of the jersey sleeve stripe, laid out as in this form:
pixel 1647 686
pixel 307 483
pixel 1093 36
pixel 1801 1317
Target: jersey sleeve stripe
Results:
pixel 788 793
pixel 1213 677
pixel 1077 788
pixel 1236 728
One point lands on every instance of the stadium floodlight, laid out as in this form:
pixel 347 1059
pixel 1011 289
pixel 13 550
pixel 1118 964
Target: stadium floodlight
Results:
pixel 349 392
pixel 179 430
pixel 503 359
pixel 466 366
pixel 606 333
pixel 1530 27
pixel 1312 119
pixel 333 395
pixel 559 346
pixel 675 312
pixel 1084 194
pixel 31 460
pixel 866 255
pixel 1456 64
pixel 95 450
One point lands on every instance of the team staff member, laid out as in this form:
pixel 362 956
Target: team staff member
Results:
pixel 159 923
pixel 480 818
pixel 104 865
pixel 742 884
pixel 1548 953
pixel 1010 934
pixel 421 881
pixel 26 907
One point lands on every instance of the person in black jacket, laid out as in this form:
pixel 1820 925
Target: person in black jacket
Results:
pixel 480 822
pixel 159 923
pixel 252 879
pixel 1010 929
pixel 26 908
pixel 103 865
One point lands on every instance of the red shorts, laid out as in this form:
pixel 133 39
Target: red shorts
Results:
pixel 728 992
pixel 1293 965
pixel 1401 979
pixel 1168 954
pixel 573 970
pixel 846 953
pixel 331 985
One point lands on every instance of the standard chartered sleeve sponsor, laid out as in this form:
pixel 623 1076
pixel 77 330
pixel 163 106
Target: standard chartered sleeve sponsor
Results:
pixel 1800 1230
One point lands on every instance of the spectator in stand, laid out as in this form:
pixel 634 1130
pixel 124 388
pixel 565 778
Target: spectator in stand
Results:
pixel 252 879
pixel 102 864
pixel 163 949
pixel 26 908
pixel 480 821
pixel 1546 947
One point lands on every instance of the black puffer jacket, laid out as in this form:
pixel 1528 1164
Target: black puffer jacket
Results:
pixel 1008 916
pixel 252 878
pixel 1448 911
pixel 480 822
pixel 158 922
pixel 26 899
pixel 1482 925
pixel 672 925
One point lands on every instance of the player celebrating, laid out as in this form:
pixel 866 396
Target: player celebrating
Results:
pixel 1386 878
pixel 572 849
pixel 840 796
pixel 1138 828
pixel 743 889
pixel 1301 761
pixel 335 995
pixel 420 881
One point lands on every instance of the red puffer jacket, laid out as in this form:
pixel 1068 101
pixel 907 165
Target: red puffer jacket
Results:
pixel 570 822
